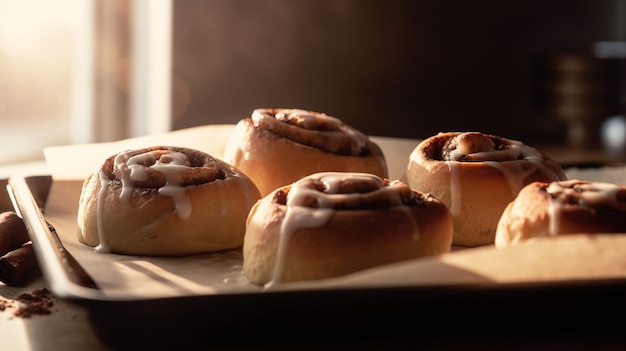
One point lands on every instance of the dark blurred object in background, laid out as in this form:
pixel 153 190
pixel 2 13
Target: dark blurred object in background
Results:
pixel 401 68
pixel 580 90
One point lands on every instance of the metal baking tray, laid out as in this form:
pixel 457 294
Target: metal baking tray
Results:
pixel 395 314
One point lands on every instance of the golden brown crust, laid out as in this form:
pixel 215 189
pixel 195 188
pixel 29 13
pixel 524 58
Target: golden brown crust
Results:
pixel 180 202
pixel 567 207
pixel 365 228
pixel 475 189
pixel 283 152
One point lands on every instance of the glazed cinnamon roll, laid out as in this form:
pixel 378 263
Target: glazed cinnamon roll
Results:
pixel 564 207
pixel 334 223
pixel 476 175
pixel 164 201
pixel 276 147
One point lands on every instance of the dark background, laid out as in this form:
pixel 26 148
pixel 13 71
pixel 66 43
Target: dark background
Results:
pixel 397 68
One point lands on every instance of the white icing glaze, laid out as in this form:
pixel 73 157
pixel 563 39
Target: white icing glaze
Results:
pixel 299 214
pixel 172 164
pixel 104 245
pixel 455 187
pixel 581 193
pixel 472 143
pixel 516 162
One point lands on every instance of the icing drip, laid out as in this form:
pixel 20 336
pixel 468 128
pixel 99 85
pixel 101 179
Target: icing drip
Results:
pixel 313 200
pixel 455 187
pixel 104 245
pixel 584 194
pixel 172 165
pixel 515 160
pixel 134 169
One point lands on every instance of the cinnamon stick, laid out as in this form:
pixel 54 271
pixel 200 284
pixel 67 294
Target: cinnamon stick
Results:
pixel 16 263
pixel 13 233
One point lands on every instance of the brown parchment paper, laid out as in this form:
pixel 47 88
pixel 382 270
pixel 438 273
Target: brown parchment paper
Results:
pixel 135 277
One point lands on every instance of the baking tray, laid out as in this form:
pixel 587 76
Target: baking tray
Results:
pixel 363 315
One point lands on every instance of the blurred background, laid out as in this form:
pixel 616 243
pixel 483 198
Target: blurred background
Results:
pixel 549 73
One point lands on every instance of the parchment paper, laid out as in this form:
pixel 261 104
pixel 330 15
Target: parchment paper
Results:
pixel 135 277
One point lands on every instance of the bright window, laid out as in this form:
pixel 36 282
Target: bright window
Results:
pixel 80 71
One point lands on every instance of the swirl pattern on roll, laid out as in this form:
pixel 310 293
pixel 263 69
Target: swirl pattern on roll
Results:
pixel 277 146
pixel 304 127
pixel 563 207
pixel 163 170
pixel 595 196
pixel 338 191
pixel 330 210
pixel 152 201
pixel 476 175
pixel 478 147
pixel 493 151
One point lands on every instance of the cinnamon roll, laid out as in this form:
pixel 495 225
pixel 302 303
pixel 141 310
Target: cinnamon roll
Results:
pixel 334 223
pixel 164 201
pixel 276 147
pixel 544 209
pixel 476 175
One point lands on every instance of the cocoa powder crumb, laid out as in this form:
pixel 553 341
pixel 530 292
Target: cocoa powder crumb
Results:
pixel 38 302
